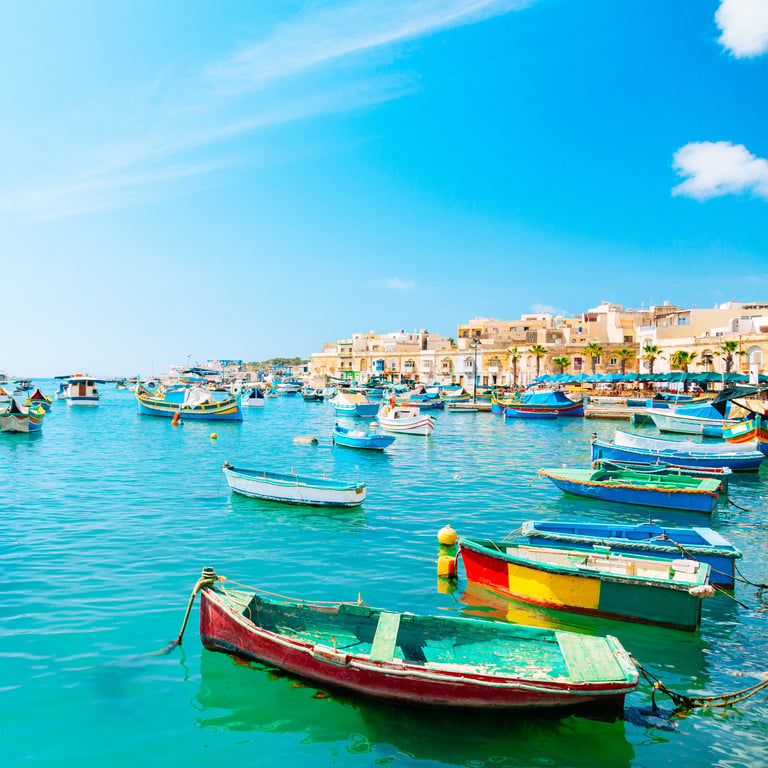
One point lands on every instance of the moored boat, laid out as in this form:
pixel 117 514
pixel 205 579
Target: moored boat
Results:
pixel 634 448
pixel 294 489
pixel 692 494
pixel 637 588
pixel 440 661
pixel 253 399
pixel 357 438
pixel 692 420
pixel 515 412
pixel 407 420
pixel 195 403
pixel 354 404
pixel 556 402
pixel 38 399
pixel 82 390
pixel 753 430
pixel 21 418
pixel 702 544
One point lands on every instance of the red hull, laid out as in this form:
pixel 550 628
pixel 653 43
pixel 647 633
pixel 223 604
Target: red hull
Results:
pixel 222 629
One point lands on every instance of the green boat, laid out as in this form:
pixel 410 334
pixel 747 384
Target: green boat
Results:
pixel 692 494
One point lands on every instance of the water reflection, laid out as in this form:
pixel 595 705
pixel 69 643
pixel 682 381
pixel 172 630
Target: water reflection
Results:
pixel 240 696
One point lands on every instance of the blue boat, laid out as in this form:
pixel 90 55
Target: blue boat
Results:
pixel 547 402
pixel 356 438
pixel 681 453
pixel 625 486
pixel 702 544
pixel 354 404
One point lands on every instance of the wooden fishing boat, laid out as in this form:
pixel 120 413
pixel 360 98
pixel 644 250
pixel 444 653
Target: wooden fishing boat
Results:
pixel 721 474
pixel 354 404
pixel 691 494
pixel 702 544
pixel 312 395
pixel 356 438
pixel 599 583
pixel 404 658
pixel 407 420
pixel 690 421
pixel 38 399
pixel 294 489
pixel 753 430
pixel 556 402
pixel 516 412
pixel 634 448
pixel 21 418
pixel 193 403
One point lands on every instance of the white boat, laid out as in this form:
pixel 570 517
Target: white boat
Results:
pixel 405 419
pixel 21 418
pixel 354 404
pixel 671 421
pixel 255 399
pixel 82 390
pixel 294 489
pixel 629 440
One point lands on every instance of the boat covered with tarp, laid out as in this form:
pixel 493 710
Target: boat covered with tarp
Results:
pixel 197 403
pixel 405 658
pixel 547 401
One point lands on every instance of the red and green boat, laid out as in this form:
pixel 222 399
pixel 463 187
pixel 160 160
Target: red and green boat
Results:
pixel 404 658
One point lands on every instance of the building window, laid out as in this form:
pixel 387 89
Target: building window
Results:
pixel 614 361
pixel 628 339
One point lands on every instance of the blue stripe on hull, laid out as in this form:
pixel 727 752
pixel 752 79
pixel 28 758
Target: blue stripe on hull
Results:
pixel 688 502
pixel 617 453
pixel 190 416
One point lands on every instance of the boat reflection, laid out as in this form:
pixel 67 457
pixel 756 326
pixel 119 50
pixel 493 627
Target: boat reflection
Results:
pixel 239 696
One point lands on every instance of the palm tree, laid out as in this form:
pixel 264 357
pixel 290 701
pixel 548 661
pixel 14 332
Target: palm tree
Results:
pixel 514 356
pixel 727 350
pixel 681 359
pixel 624 354
pixel 538 352
pixel 594 350
pixel 562 363
pixel 652 352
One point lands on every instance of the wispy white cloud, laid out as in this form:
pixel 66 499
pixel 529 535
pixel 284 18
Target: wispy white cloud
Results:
pixel 545 309
pixel 719 168
pixel 189 132
pixel 744 26
pixel 400 285
pixel 328 34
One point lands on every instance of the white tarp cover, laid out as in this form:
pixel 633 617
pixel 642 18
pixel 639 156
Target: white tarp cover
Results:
pixel 195 396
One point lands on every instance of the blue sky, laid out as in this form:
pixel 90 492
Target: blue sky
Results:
pixel 181 180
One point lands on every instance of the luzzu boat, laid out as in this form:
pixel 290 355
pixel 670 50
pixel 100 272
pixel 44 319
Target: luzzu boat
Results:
pixel 21 418
pixel 691 494
pixel 702 419
pixel 752 430
pixel 702 544
pixel 38 399
pixel 626 447
pixel 294 489
pixel 600 583
pixel 547 402
pixel 404 658
pixel 195 403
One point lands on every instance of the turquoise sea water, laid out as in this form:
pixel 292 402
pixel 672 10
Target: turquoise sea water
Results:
pixel 107 518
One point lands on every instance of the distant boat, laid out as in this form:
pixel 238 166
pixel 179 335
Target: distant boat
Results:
pixel 403 658
pixel 407 420
pixel 38 399
pixel 20 418
pixel 196 403
pixel 354 404
pixel 254 399
pixel 634 448
pixel 691 494
pixel 599 583
pixel 312 395
pixel 293 488
pixel 288 387
pixel 82 390
pixel 702 544
pixel 356 438
pixel 61 393
pixel 23 385
pixel 752 430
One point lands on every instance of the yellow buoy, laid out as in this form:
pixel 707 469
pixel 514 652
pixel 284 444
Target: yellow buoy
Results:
pixel 446 567
pixel 214 436
pixel 447 536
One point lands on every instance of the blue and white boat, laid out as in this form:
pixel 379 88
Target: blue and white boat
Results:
pixel 703 419
pixel 356 438
pixel 294 489
pixel 82 390
pixel 702 544
pixel 354 404
pixel 739 457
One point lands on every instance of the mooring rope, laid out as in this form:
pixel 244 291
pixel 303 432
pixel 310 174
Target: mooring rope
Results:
pixel 684 702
